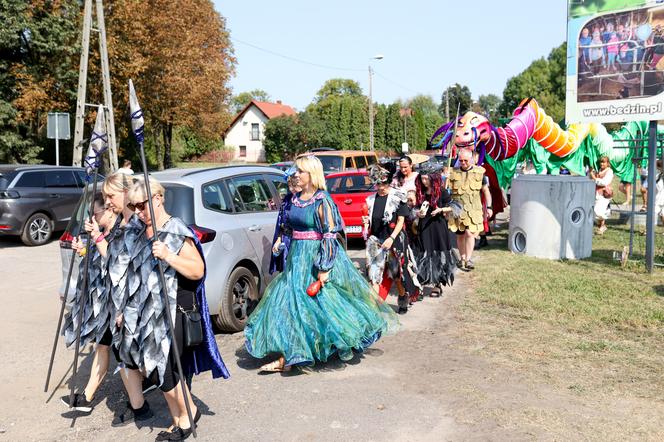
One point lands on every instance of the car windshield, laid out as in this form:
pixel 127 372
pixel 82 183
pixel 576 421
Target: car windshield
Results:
pixel 6 178
pixel 349 184
pixel 330 163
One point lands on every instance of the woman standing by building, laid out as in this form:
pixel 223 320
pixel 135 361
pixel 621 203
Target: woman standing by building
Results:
pixel 293 319
pixel 436 262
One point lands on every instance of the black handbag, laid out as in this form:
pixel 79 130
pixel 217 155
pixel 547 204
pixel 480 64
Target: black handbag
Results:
pixel 192 326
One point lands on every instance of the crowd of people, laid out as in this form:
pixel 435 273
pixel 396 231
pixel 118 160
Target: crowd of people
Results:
pixel 420 227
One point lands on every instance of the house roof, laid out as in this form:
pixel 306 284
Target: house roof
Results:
pixel 270 110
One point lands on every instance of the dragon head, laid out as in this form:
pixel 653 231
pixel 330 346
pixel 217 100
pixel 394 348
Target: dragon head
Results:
pixel 466 136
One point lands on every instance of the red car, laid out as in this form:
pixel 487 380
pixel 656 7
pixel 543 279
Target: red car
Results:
pixel 349 190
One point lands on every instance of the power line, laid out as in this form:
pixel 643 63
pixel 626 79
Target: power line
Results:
pixel 394 82
pixel 297 60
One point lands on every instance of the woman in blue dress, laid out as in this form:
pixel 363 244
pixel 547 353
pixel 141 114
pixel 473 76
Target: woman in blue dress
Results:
pixel 345 315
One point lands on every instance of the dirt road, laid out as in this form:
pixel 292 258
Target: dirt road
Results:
pixel 416 385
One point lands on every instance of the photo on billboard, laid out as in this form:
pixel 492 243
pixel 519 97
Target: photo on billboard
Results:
pixel 615 61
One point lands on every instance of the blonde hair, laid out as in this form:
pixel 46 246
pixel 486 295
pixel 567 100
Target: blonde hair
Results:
pixel 311 164
pixel 117 182
pixel 138 192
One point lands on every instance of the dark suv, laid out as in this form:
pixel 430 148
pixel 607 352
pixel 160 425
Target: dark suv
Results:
pixel 37 200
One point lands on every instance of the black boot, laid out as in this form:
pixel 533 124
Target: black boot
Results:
pixel 403 305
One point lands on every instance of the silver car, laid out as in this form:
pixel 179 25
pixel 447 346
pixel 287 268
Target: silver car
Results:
pixel 233 210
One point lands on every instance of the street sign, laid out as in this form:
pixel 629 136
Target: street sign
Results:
pixel 57 128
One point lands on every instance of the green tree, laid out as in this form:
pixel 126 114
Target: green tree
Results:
pixel 459 96
pixel 239 101
pixel 38 49
pixel 288 136
pixel 393 128
pixel 543 80
pixel 380 111
pixel 489 106
pixel 425 120
pixel 341 110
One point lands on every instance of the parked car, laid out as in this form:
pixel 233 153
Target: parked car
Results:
pixel 233 211
pixel 340 160
pixel 349 190
pixel 284 165
pixel 37 200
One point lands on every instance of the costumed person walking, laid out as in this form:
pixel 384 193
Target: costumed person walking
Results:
pixel 435 262
pixel 404 179
pixel 603 193
pixel 95 325
pixel 466 182
pixel 146 338
pixel 389 258
pixel 295 321
pixel 282 232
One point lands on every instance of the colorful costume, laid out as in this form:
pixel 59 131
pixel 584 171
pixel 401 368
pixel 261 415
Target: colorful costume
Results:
pixel 345 315
pixel 466 186
pixel 397 263
pixel 281 230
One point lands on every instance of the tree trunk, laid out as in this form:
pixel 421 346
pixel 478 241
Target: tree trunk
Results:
pixel 168 137
pixel 157 150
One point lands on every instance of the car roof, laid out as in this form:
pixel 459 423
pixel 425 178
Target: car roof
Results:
pixel 22 167
pixel 342 152
pixel 346 173
pixel 204 174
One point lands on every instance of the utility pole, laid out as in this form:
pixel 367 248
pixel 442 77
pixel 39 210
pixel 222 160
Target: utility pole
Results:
pixel 83 80
pixel 371 116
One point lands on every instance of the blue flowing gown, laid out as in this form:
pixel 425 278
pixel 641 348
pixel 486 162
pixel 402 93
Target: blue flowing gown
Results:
pixel 345 315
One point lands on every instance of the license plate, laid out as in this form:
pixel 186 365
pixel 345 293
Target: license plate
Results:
pixel 353 229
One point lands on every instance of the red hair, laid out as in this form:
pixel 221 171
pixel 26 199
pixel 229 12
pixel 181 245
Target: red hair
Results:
pixel 435 181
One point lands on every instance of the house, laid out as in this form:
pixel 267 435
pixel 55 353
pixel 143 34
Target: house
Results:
pixel 247 130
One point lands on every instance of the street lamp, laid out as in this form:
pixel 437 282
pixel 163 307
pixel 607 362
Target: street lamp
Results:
pixel 371 116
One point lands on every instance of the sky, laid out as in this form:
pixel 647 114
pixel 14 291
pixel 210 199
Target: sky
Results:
pixel 427 45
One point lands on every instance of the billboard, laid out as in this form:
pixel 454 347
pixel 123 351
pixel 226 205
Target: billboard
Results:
pixel 615 60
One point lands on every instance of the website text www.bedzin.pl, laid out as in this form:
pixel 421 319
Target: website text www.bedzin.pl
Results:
pixel 628 109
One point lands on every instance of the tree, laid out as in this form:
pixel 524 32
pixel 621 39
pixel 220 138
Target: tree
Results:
pixel 459 96
pixel 393 127
pixel 489 105
pixel 288 136
pixel 341 110
pixel 180 57
pixel 543 80
pixel 238 102
pixel 426 120
pixel 38 46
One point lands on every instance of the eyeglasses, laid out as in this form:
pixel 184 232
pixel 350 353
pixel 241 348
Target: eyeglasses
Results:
pixel 140 206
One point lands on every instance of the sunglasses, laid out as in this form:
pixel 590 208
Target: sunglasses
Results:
pixel 140 206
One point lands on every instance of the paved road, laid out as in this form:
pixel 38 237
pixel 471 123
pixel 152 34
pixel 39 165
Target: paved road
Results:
pixel 386 394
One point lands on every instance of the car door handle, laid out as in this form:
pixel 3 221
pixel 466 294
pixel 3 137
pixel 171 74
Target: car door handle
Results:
pixel 348 201
pixel 255 228
pixel 53 195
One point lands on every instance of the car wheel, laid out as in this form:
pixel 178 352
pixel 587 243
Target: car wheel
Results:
pixel 239 299
pixel 37 230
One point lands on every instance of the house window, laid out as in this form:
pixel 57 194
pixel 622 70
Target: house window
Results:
pixel 254 131
pixel 243 151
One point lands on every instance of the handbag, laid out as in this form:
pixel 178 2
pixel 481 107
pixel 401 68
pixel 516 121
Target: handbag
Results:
pixel 607 192
pixel 192 326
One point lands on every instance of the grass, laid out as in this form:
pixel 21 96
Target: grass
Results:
pixel 589 326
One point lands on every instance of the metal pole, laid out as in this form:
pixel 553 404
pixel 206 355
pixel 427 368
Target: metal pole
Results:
pixel 106 79
pixel 82 84
pixel 371 117
pixel 84 289
pixel 64 298
pixel 651 220
pixel 57 141
pixel 164 287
